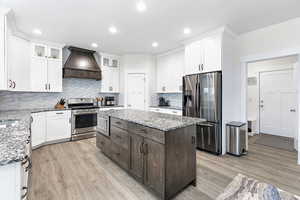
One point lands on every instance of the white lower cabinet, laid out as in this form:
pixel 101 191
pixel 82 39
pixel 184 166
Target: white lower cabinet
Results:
pixel 11 181
pixel 166 110
pixel 38 128
pixel 58 125
pixel 50 127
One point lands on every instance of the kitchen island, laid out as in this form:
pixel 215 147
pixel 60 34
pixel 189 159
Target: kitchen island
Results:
pixel 158 150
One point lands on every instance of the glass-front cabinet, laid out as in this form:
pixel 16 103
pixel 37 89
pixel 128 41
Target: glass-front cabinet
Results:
pixel 55 53
pixel 39 50
pixel 109 61
pixel 44 51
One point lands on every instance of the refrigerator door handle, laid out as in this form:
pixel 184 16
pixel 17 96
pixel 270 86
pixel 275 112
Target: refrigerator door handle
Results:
pixel 206 125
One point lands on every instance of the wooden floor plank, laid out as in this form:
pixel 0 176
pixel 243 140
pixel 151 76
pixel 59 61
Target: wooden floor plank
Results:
pixel 79 171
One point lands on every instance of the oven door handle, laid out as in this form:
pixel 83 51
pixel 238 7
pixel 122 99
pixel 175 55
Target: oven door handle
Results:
pixel 82 113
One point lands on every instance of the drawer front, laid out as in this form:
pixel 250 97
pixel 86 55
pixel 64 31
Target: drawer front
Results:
pixel 103 143
pixel 62 114
pixel 153 134
pixel 119 137
pixel 118 123
pixel 120 155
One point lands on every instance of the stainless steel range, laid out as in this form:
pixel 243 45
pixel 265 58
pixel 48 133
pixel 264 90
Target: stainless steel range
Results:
pixel 84 118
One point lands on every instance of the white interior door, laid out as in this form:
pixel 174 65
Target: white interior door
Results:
pixel 136 91
pixel 278 103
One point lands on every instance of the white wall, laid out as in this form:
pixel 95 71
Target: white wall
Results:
pixel 270 42
pixel 138 64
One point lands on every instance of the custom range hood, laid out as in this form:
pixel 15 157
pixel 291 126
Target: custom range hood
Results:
pixel 81 64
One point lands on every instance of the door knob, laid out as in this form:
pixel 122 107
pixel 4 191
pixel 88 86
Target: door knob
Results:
pixel 261 106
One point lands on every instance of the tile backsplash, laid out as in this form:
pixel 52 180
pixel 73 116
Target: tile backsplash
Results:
pixel 72 88
pixel 174 98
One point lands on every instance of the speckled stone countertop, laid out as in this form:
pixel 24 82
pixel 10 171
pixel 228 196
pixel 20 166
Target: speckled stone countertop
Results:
pixel 13 138
pixel 160 121
pixel 167 107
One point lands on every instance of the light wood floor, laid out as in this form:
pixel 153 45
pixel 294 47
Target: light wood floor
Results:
pixel 79 171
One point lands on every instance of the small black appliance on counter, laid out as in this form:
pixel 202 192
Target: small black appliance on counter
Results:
pixel 163 102
pixel 109 101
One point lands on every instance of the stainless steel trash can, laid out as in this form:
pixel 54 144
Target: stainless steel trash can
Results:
pixel 237 138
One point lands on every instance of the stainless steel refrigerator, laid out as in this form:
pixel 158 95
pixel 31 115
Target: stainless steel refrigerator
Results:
pixel 202 98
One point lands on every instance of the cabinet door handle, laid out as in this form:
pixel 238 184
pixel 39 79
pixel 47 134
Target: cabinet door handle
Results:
pixel 25 194
pixel 49 86
pixel 145 148
pixel 141 147
pixel 59 113
pixel 10 83
pixel 202 67
pixel 193 140
pixel 45 86
pixel 199 67
pixel 14 84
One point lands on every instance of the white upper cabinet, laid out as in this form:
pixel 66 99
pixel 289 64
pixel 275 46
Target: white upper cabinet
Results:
pixel 109 61
pixel 54 53
pixel 110 81
pixel 18 64
pixel 39 51
pixel 46 68
pixel 54 75
pixel 169 69
pixel 204 55
pixel 3 44
pixel 110 66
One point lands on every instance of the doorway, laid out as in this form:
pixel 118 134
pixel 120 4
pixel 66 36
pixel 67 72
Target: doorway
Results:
pixel 136 91
pixel 277 103
pixel 272 102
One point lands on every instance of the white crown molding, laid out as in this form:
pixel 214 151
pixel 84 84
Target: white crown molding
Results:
pixel 48 43
pixel 170 52
pixel 217 31
pixel 270 55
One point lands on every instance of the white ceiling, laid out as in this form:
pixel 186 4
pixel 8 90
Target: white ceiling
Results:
pixel 81 22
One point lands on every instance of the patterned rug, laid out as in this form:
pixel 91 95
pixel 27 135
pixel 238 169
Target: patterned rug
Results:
pixel 244 188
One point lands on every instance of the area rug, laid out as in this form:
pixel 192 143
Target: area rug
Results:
pixel 244 188
pixel 279 142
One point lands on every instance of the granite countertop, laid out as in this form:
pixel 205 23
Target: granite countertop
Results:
pixel 167 107
pixel 13 138
pixel 160 121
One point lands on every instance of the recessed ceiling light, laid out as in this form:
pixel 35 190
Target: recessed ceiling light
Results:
pixel 187 31
pixel 113 30
pixel 37 31
pixel 141 6
pixel 154 44
pixel 95 45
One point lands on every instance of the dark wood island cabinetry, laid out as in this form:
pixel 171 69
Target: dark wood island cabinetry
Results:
pixel 162 159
